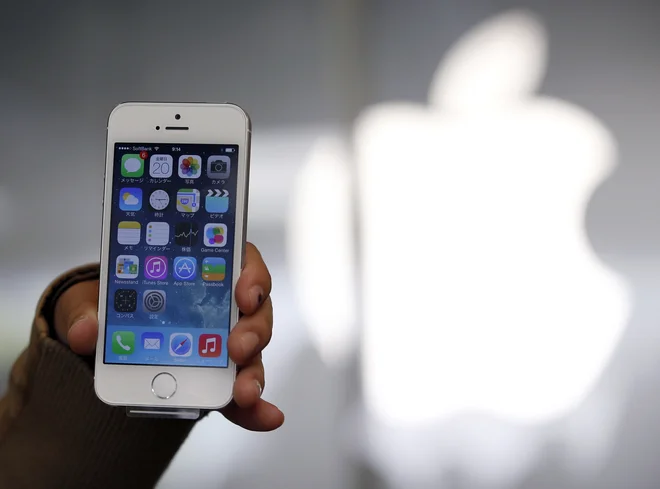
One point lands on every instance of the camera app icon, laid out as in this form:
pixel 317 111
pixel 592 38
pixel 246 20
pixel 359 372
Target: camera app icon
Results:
pixel 217 167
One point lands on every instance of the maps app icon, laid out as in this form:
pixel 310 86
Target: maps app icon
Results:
pixel 187 200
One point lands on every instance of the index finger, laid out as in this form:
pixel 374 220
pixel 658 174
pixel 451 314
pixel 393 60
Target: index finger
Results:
pixel 254 284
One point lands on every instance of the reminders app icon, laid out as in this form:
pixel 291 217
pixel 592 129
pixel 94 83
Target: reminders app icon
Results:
pixel 152 341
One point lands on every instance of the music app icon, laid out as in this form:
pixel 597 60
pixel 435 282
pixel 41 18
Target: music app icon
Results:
pixel 210 345
pixel 155 267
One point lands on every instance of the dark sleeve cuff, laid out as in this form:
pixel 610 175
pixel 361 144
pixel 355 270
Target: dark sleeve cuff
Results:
pixel 59 286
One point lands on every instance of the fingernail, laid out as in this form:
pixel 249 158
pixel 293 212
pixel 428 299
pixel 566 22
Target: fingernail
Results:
pixel 257 295
pixel 250 342
pixel 259 388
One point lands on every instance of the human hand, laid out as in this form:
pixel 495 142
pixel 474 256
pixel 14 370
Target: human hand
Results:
pixel 76 323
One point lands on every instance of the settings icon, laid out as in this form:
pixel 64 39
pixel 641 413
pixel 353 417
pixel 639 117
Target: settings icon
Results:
pixel 154 300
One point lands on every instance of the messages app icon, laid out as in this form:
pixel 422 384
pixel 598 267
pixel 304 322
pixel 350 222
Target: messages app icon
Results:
pixel 132 166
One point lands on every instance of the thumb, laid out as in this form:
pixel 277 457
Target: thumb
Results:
pixel 76 317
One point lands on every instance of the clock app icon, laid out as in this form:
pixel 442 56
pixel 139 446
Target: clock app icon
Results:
pixel 159 200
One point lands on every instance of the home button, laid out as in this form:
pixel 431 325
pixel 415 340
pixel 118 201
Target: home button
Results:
pixel 163 386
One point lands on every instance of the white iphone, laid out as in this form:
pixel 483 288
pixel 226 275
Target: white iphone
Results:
pixel 173 240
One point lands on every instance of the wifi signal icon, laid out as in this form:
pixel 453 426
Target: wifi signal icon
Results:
pixel 156 147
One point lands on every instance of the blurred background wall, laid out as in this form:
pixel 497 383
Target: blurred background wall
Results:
pixel 319 79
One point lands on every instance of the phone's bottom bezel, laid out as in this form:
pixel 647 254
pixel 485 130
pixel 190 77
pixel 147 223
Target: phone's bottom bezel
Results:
pixel 201 388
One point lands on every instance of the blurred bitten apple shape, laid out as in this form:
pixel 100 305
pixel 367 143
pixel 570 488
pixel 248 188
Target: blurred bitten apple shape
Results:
pixel 481 289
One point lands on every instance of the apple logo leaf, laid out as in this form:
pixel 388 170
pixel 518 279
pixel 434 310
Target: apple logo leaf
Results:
pixel 498 62
pixel 476 266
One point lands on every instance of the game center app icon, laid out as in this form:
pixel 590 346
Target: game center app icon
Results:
pixel 130 199
pixel 187 200
pixel 215 235
pixel 132 166
pixel 210 345
pixel 190 166
pixel 127 266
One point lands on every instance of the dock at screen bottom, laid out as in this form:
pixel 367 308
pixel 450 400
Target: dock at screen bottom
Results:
pixel 193 347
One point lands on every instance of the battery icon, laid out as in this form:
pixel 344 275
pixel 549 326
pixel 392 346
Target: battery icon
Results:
pixel 229 150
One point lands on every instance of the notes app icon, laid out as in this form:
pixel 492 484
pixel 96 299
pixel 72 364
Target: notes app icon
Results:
pixel 128 232
pixel 210 345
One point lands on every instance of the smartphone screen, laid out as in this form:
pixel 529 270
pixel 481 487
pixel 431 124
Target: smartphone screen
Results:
pixel 171 254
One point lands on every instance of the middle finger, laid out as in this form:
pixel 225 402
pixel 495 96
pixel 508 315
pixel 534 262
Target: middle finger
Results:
pixel 251 335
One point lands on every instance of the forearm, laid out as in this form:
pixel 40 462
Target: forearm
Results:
pixel 54 432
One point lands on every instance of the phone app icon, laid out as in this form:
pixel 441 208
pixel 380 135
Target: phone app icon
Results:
pixel 215 235
pixel 125 300
pixel 190 166
pixel 132 166
pixel 187 200
pixel 127 266
pixel 123 343
pixel 213 269
pixel 210 345
pixel 181 344
pixel 130 199
pixel 152 341
pixel 185 233
pixel 216 201
pixel 218 167
pixel 128 232
pixel 159 200
pixel 158 233
pixel 153 301
pixel 185 268
pixel 161 166
pixel 155 267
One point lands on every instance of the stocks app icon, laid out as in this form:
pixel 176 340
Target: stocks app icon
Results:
pixel 185 233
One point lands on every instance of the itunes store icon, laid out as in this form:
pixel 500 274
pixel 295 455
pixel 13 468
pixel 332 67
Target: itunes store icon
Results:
pixel 155 267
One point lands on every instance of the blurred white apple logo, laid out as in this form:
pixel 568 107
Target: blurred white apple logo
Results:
pixel 481 290
pixel 321 247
